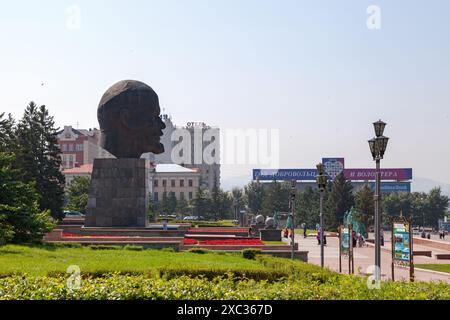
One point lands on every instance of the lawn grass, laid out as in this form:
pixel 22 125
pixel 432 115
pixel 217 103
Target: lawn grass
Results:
pixel 116 273
pixel 274 243
pixel 308 231
pixel 435 267
pixel 43 259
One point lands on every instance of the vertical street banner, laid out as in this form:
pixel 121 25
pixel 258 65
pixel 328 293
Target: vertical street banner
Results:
pixel 345 241
pixel 402 245
pixel 346 247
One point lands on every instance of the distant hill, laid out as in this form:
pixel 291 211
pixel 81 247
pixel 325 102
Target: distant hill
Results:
pixel 240 181
pixel 425 185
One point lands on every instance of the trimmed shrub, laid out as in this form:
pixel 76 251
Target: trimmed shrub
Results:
pixel 250 253
pixel 133 248
pixel 199 250
pixel 104 247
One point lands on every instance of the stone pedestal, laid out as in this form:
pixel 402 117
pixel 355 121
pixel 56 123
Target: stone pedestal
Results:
pixel 118 195
pixel 270 234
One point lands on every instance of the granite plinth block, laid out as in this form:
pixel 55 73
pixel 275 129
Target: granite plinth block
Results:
pixel 270 234
pixel 118 194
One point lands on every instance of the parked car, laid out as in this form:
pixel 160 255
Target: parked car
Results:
pixel 72 214
pixel 193 218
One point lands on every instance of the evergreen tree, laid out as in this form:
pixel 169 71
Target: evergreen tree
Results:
pixel 226 203
pixel 182 206
pixel 364 205
pixel 237 201
pixel 215 199
pixel 77 194
pixel 171 203
pixel 164 207
pixel 340 200
pixel 201 203
pixel 151 211
pixel 7 136
pixel 254 193
pixel 307 206
pixel 21 220
pixel 38 158
pixel 276 198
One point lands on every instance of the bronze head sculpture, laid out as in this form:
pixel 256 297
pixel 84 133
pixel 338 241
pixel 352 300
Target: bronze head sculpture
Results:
pixel 129 118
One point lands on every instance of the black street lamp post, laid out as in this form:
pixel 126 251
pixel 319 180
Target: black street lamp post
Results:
pixel 377 148
pixel 322 180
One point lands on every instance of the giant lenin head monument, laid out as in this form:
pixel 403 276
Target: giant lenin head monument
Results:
pixel 130 124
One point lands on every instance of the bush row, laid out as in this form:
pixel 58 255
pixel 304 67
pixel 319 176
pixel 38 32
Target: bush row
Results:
pixel 120 286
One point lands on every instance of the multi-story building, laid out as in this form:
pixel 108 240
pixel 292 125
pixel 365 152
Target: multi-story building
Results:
pixel 209 172
pixel 80 147
pixel 173 178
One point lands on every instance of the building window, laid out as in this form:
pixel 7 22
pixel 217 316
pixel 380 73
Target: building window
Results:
pixel 155 196
pixel 191 183
pixel 181 195
pixel 70 147
pixel 190 196
pixel 155 183
pixel 64 147
pixel 172 183
pixel 182 183
pixel 164 183
pixel 79 147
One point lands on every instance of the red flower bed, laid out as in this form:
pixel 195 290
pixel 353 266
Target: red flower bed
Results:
pixel 245 242
pixel 219 230
pixel 236 242
pixel 189 242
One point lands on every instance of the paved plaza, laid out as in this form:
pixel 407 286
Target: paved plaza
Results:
pixel 364 258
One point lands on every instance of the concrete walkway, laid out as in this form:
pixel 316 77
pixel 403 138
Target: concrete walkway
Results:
pixel 364 258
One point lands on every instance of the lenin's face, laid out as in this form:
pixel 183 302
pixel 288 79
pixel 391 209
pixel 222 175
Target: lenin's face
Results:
pixel 144 125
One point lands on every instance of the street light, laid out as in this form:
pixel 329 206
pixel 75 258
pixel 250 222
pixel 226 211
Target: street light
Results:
pixel 378 147
pixel 322 180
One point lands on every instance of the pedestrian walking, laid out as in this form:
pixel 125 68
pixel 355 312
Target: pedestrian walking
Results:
pixel 304 230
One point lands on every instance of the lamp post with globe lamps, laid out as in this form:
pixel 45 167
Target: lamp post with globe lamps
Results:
pixel 377 147
pixel 322 180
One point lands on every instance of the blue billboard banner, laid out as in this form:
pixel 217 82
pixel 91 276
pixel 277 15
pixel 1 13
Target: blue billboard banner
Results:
pixel 387 187
pixel 284 174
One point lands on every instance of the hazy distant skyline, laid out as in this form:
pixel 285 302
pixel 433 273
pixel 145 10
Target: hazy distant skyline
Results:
pixel 309 68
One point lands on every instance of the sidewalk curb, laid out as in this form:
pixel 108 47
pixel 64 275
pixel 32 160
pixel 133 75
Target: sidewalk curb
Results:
pixel 433 271
pixel 415 268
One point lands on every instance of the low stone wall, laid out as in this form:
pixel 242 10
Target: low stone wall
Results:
pixel 432 243
pixel 146 244
pixel 135 232
pixel 301 255
pixel 72 221
pixel 240 247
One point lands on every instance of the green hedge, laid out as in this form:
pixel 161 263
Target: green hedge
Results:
pixel 119 286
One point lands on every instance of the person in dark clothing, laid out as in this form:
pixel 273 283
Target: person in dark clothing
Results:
pixel 304 230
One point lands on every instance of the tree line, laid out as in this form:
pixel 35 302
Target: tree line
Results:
pixel 339 197
pixel 31 183
pixel 268 198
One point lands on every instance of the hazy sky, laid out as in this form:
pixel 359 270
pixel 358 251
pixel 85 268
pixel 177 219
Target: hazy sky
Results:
pixel 312 69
